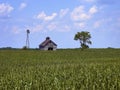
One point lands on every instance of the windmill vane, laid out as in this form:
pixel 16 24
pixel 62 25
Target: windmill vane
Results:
pixel 28 31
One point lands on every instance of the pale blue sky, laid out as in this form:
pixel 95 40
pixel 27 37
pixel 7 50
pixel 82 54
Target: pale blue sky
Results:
pixel 60 20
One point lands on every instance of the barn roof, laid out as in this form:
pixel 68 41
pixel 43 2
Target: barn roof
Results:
pixel 44 43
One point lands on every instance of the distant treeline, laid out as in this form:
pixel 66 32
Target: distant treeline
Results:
pixel 10 48
pixel 7 48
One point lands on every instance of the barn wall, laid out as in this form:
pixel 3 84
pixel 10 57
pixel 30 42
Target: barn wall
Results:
pixel 54 48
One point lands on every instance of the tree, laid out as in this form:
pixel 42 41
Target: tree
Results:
pixel 24 48
pixel 84 38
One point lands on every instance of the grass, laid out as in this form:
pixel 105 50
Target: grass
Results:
pixel 70 69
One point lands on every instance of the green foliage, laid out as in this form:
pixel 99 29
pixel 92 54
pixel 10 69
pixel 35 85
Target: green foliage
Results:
pixel 24 48
pixel 84 38
pixel 92 69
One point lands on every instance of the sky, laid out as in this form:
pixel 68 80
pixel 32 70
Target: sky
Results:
pixel 60 20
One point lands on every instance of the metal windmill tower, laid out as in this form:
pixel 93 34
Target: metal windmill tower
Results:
pixel 27 39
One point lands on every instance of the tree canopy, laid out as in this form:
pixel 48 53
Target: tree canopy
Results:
pixel 84 38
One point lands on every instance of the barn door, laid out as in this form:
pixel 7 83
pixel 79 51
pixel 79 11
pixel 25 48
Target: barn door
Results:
pixel 50 48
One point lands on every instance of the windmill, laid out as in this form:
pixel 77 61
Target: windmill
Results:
pixel 27 39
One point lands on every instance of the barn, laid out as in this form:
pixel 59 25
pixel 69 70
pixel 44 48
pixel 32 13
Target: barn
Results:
pixel 48 44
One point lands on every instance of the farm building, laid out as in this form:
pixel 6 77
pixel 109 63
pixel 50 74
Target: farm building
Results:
pixel 48 45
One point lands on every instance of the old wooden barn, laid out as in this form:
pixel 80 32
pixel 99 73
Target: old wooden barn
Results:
pixel 48 44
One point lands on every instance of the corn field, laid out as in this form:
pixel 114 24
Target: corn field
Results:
pixel 69 69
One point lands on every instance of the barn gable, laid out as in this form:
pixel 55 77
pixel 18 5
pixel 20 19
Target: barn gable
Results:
pixel 48 45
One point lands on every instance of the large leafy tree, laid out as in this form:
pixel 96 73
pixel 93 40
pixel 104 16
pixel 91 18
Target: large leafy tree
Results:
pixel 84 38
